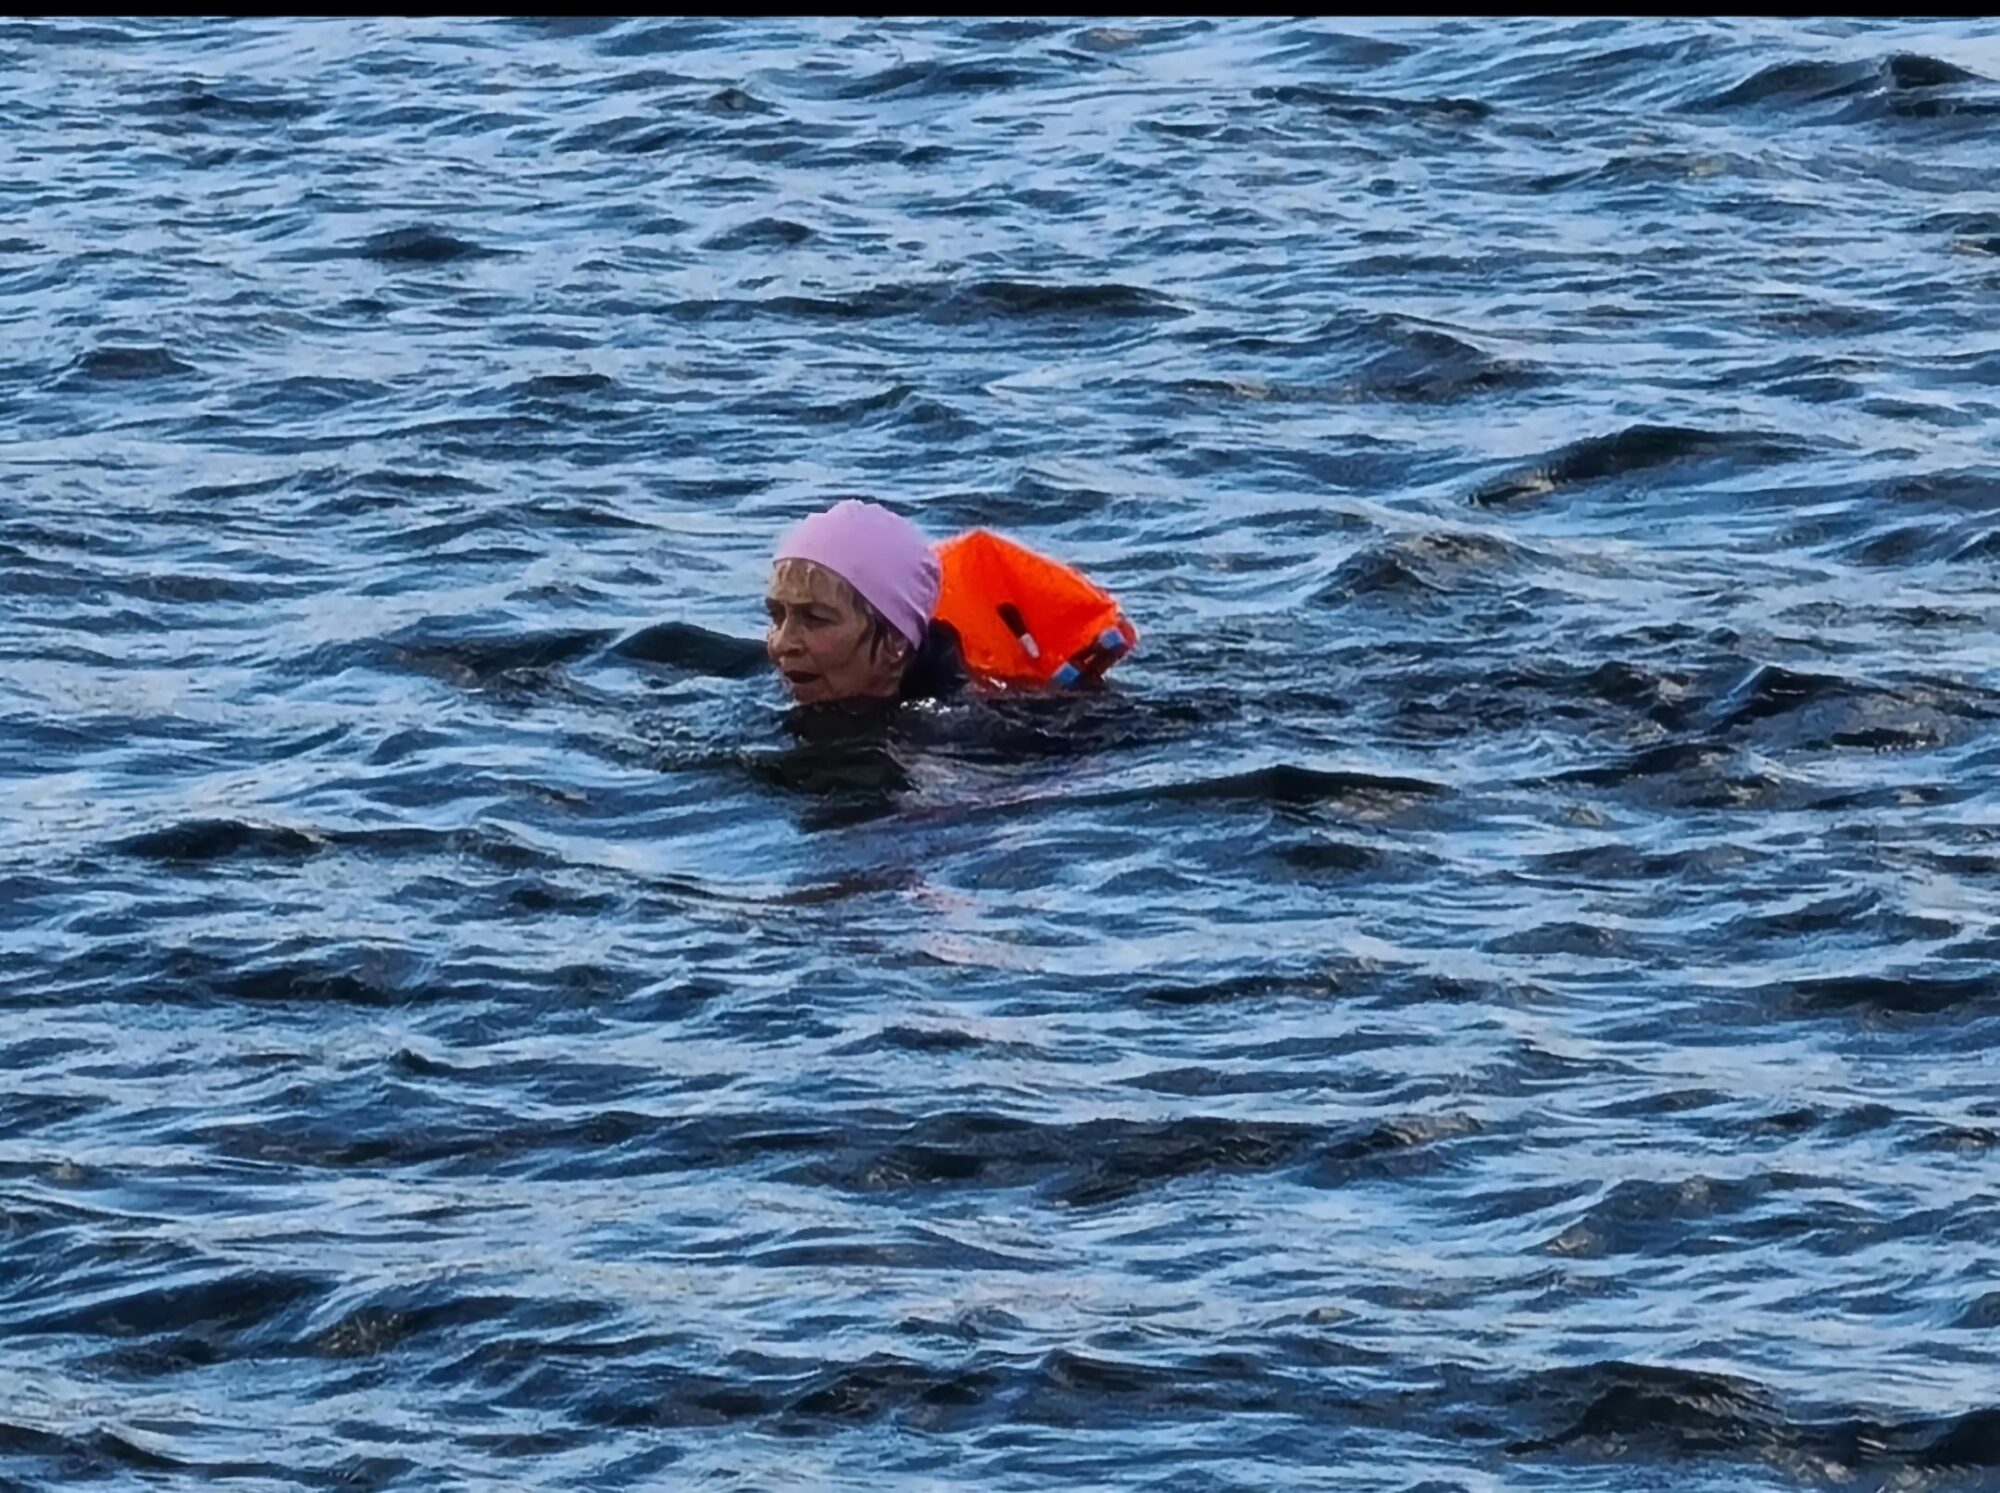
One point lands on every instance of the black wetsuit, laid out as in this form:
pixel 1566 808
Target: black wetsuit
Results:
pixel 936 671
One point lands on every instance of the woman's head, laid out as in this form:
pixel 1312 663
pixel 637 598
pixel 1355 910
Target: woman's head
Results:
pixel 825 638
pixel 852 591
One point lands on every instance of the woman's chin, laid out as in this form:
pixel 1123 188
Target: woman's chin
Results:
pixel 817 689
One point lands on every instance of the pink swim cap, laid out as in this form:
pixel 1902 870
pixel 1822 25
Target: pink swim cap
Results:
pixel 880 554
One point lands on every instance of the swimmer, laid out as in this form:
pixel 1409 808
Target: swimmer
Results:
pixel 852 605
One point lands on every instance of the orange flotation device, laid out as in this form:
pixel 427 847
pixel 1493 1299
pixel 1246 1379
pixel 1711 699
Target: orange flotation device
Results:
pixel 1024 619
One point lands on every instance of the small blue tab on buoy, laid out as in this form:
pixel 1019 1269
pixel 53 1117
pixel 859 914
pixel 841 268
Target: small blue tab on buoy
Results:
pixel 1067 675
pixel 1111 640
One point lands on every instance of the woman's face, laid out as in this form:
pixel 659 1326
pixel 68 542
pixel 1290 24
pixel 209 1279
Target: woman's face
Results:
pixel 818 637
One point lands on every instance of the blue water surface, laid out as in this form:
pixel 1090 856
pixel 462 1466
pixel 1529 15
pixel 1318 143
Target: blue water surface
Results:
pixel 1503 992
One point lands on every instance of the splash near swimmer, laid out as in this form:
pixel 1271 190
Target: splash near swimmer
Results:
pixel 862 606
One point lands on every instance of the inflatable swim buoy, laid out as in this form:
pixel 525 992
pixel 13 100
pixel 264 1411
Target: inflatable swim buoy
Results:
pixel 1024 619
